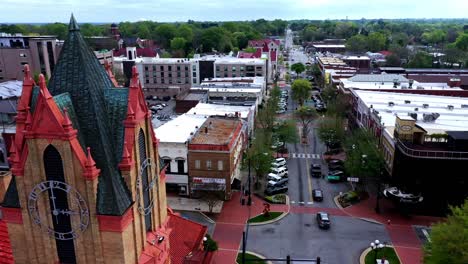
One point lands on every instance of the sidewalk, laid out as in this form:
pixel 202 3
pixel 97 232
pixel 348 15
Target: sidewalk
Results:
pixel 230 224
pixel 404 239
pixel 178 203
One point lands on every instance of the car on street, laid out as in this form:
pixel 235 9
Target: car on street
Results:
pixel 281 171
pixel 335 176
pixel 273 177
pixel 316 170
pixel 323 220
pixel 280 161
pixel 281 182
pixel 317 195
pixel 335 164
pixel 281 111
pixel 157 107
pixel 276 190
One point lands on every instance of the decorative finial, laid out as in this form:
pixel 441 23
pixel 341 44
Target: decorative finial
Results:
pixel 73 26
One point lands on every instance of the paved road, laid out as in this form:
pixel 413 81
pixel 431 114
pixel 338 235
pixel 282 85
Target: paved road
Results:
pixel 298 235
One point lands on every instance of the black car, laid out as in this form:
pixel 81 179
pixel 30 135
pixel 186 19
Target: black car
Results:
pixel 335 165
pixel 323 220
pixel 166 98
pixel 317 195
pixel 316 170
pixel 276 190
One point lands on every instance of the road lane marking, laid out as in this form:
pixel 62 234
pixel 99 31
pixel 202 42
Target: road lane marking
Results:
pixel 308 180
pixel 310 202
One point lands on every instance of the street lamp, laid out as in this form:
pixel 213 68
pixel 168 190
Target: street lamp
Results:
pixel 376 246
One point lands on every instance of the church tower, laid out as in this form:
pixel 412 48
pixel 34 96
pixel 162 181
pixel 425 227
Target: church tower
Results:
pixel 87 186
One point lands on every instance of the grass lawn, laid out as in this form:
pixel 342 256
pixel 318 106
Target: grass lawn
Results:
pixel 260 218
pixel 249 256
pixel 387 252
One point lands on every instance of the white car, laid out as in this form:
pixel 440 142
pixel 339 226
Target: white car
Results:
pixel 273 177
pixel 280 161
pixel 157 107
pixel 281 171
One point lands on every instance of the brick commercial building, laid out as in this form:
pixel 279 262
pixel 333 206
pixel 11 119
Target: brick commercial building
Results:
pixel 215 155
pixel 86 182
pixel 39 52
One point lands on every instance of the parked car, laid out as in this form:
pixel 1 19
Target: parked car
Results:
pixel 323 220
pixel 166 98
pixel 280 160
pixel 335 176
pixel 157 107
pixel 335 164
pixel 316 170
pixel 281 171
pixel 281 182
pixel 273 177
pixel 317 195
pixel 278 163
pixel 281 111
pixel 164 105
pixel 276 190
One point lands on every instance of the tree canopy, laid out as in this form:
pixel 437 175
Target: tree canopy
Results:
pixel 448 240
pixel 301 89
pixel 298 68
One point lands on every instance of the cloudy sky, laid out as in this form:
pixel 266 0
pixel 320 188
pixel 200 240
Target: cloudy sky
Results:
pixel 224 10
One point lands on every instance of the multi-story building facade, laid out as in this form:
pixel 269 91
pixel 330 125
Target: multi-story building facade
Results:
pixel 39 52
pixel 421 136
pixel 215 155
pixel 228 67
pixel 173 149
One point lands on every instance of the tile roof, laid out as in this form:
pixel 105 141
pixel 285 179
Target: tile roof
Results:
pixel 98 113
pixel 219 131
pixel 6 254
pixel 186 237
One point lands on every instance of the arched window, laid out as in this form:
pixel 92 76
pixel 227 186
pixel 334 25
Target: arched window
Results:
pixel 53 167
pixel 144 178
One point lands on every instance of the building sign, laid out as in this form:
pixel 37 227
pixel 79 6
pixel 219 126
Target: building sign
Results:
pixel 179 179
pixel 199 180
pixel 353 179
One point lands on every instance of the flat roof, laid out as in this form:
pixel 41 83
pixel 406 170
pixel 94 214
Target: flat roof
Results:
pixel 449 120
pixel 227 89
pixel 372 85
pixel 155 60
pixel 355 58
pixel 178 130
pixel 378 78
pixel 221 110
pixel 235 60
pixel 10 89
pixel 219 131
pixel 193 96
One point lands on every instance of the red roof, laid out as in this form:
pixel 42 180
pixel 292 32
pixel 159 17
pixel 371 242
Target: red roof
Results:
pixel 6 254
pixel 186 237
pixel 249 55
pixel 385 52
pixel 141 52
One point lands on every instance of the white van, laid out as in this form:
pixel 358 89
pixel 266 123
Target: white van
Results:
pixel 273 177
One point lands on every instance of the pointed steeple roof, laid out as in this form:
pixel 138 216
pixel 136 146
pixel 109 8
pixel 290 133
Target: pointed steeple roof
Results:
pixel 73 26
pixel 79 73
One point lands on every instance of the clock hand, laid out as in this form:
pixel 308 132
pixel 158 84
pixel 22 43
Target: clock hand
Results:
pixel 54 211
pixel 68 212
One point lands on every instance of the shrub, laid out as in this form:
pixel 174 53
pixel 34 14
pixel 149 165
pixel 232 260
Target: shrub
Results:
pixel 276 199
pixel 210 244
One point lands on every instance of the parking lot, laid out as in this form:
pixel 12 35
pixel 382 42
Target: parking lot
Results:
pixel 166 113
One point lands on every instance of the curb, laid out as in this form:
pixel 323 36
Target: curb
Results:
pixel 281 216
pixel 257 255
pixel 362 258
pixel 208 218
pixel 335 199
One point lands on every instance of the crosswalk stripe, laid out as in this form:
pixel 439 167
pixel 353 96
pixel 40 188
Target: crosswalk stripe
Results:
pixel 308 155
pixel 310 202
pixel 293 202
pixel 305 156
pixel 293 155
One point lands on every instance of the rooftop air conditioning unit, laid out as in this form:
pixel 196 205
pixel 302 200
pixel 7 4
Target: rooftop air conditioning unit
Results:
pixel 407 102
pixel 391 103
pixel 430 117
pixel 425 105
pixel 416 109
pixel 413 115
pixel 464 106
pixel 450 107
pixel 404 86
pixel 420 87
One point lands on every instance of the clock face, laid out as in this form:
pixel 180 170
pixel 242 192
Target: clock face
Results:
pixel 145 186
pixel 66 206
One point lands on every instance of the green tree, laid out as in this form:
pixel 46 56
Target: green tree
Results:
pixel 449 243
pixel 454 55
pixel 216 38
pixel 259 153
pixel 363 157
pixel 240 39
pixel 58 29
pixel 178 46
pixel 306 115
pixel 186 32
pixel 462 42
pixel 392 60
pixel 376 41
pixel 301 89
pixel 298 68
pixel 164 33
pixel 434 37
pixel 287 132
pixel 345 29
pixel 331 131
pixel 400 38
pixel 420 60
pixel 357 43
